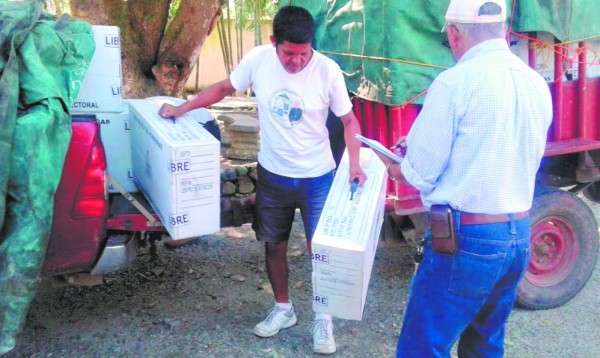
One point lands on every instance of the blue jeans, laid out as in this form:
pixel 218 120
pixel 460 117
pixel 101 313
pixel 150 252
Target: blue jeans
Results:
pixel 466 296
pixel 278 197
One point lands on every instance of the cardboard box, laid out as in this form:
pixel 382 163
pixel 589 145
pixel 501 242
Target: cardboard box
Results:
pixel 116 137
pixel 98 94
pixel 101 88
pixel 345 241
pixel 108 43
pixel 177 167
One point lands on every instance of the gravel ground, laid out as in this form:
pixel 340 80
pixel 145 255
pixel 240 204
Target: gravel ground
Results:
pixel 203 300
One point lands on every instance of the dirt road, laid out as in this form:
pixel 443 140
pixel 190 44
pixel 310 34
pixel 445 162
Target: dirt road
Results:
pixel 203 301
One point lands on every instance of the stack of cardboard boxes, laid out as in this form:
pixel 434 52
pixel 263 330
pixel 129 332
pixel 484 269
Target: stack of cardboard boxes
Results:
pixel 101 94
pixel 175 163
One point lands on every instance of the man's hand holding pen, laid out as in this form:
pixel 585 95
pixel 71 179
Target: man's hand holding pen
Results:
pixel 400 147
pixel 393 168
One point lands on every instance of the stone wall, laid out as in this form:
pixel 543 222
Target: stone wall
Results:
pixel 240 142
pixel 238 184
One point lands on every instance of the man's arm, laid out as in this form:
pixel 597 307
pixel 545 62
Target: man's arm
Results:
pixel 211 95
pixel 352 127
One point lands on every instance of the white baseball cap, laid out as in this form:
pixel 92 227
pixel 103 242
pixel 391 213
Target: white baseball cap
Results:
pixel 467 12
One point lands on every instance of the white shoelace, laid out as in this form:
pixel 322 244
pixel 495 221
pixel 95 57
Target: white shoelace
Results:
pixel 275 313
pixel 321 329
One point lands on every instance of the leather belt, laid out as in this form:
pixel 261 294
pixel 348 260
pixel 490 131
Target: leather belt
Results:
pixel 479 219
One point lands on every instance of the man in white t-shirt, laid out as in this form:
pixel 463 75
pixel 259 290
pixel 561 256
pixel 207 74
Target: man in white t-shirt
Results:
pixel 295 87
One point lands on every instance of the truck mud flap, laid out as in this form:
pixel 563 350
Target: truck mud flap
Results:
pixel 120 251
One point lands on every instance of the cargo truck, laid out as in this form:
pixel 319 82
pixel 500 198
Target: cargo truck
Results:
pixel 390 52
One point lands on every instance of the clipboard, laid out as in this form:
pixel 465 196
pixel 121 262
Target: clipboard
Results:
pixel 375 145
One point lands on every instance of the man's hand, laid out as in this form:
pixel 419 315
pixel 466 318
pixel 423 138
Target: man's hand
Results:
pixel 357 173
pixel 168 111
pixel 393 168
pixel 400 147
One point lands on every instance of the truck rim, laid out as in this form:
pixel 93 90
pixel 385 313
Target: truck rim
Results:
pixel 554 251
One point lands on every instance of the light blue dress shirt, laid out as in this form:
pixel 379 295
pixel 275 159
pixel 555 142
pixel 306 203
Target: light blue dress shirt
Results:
pixel 480 136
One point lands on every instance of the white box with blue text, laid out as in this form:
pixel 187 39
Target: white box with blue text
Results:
pixel 345 241
pixel 176 164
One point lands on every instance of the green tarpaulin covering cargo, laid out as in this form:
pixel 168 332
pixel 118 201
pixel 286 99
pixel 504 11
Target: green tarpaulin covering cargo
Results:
pixel 41 57
pixel 391 51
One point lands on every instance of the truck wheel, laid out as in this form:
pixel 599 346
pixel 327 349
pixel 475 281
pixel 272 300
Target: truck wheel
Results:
pixel 564 250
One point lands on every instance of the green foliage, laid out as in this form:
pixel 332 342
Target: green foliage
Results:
pixel 246 12
pixel 173 8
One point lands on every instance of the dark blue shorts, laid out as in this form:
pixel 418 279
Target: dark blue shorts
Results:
pixel 278 197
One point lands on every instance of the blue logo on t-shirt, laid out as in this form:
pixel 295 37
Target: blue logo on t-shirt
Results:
pixel 286 108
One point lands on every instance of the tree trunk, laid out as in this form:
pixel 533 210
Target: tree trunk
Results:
pixel 180 47
pixel 154 61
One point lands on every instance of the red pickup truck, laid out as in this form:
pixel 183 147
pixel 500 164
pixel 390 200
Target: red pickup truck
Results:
pixel 92 233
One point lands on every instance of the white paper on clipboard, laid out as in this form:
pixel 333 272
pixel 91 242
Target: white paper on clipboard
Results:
pixel 375 145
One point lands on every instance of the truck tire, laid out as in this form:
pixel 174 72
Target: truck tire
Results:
pixel 564 250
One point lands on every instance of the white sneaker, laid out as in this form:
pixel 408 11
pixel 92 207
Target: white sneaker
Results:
pixel 277 320
pixel 323 341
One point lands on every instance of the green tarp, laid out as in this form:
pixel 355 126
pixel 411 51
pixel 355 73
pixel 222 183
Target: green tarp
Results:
pixel 391 51
pixel 40 58
pixel 568 21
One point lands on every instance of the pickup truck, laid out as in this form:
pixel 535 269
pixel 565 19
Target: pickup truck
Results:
pixel 93 232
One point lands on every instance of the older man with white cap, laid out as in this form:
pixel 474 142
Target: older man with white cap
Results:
pixel 473 153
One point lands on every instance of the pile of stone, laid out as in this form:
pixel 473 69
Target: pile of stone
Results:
pixel 238 184
pixel 241 133
pixel 240 142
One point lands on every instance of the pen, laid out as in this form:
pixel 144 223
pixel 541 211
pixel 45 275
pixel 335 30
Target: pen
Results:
pixel 173 120
pixel 402 149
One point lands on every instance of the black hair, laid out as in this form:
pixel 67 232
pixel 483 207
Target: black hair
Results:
pixel 293 24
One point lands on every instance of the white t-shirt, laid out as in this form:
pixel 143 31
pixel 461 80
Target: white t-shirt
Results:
pixel 292 110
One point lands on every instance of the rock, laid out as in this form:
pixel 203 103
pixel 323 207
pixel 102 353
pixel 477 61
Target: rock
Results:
pixel 225 205
pixel 244 154
pixel 226 119
pixel 243 132
pixel 252 172
pixel 230 174
pixel 241 170
pixel 245 185
pixel 238 278
pixel 243 123
pixel 228 188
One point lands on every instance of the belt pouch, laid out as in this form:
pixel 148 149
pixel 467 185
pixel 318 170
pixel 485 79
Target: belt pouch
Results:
pixel 443 236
